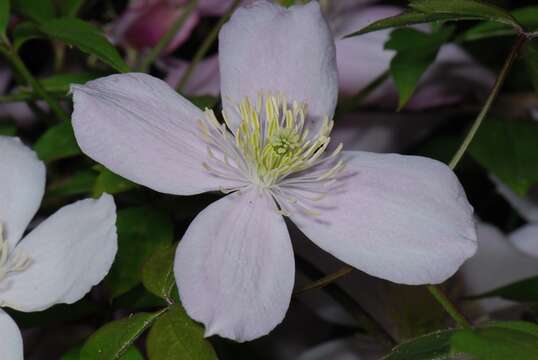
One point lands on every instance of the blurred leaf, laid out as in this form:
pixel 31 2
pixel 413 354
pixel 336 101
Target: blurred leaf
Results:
pixel 526 16
pixel 4 15
pixel 158 272
pixel 109 182
pixel 86 37
pixel 55 315
pixel 508 150
pixel 8 130
pixel 23 32
pixel 176 337
pixel 58 142
pixel 409 17
pixel 204 102
pixel 498 341
pixel 70 8
pixel 113 340
pixel 530 55
pixel 469 8
pixel 58 84
pixel 79 183
pixel 525 291
pixel 416 51
pixel 426 347
pixel 37 10
pixel 138 298
pixel 141 231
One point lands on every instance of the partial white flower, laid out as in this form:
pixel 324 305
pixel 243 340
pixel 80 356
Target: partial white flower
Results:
pixel 402 218
pixel 57 262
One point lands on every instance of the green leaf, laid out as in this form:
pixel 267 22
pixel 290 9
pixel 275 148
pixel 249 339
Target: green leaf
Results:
pixel 158 272
pixel 141 231
pixel 37 10
pixel 416 51
pixel 176 337
pixel 204 102
pixel 138 298
pixel 530 55
pixel 8 130
pixel 57 85
pixel 525 291
pixel 508 150
pixel 23 32
pixel 113 340
pixel 86 37
pixel 426 347
pixel 70 8
pixel 467 8
pixel 79 183
pixel 58 142
pixel 408 17
pixel 131 354
pixel 4 15
pixel 111 183
pixel 498 341
pixel 526 16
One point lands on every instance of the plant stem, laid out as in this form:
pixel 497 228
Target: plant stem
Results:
pixel 449 306
pixel 167 38
pixel 493 94
pixel 20 68
pixel 324 281
pixel 204 47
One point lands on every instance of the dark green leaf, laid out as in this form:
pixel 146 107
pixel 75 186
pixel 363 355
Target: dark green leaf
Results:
pixel 141 231
pixel 158 272
pixel 58 142
pixel 467 8
pixel 131 354
pixel 408 17
pixel 113 340
pixel 4 15
pixel 427 347
pixel 70 8
pixel 526 16
pixel 416 51
pixel 23 32
pixel 530 55
pixel 525 291
pixel 79 183
pixel 111 183
pixel 37 10
pixel 508 150
pixel 204 102
pixel 137 299
pixel 86 37
pixel 55 315
pixel 8 130
pixel 176 337
pixel 498 341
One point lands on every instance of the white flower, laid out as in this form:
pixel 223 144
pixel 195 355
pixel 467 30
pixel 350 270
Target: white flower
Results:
pixel 57 262
pixel 401 218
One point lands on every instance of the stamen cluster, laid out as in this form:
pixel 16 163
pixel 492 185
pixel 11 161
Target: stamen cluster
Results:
pixel 10 261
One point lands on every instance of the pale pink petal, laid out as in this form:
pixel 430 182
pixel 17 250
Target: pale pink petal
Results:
pixel 140 128
pixel 144 23
pixel 235 268
pixel 525 239
pixel 401 218
pixel 10 338
pixel 22 183
pixel 70 252
pixel 496 263
pixel 267 48
pixel 205 79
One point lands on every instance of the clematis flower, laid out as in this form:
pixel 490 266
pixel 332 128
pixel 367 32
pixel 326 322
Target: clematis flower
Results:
pixel 401 218
pixel 57 262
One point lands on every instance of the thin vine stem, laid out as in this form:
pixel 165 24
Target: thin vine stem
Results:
pixel 167 38
pixel 204 47
pixel 20 68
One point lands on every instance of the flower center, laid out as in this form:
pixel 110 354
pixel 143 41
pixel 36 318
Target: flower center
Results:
pixel 10 261
pixel 270 144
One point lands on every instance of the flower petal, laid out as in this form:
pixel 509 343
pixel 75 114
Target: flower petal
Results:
pixel 525 239
pixel 267 48
pixel 10 338
pixel 496 263
pixel 235 268
pixel 22 183
pixel 141 129
pixel 70 252
pixel 401 218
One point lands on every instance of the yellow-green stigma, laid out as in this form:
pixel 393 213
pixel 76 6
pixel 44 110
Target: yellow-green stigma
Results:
pixel 271 142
